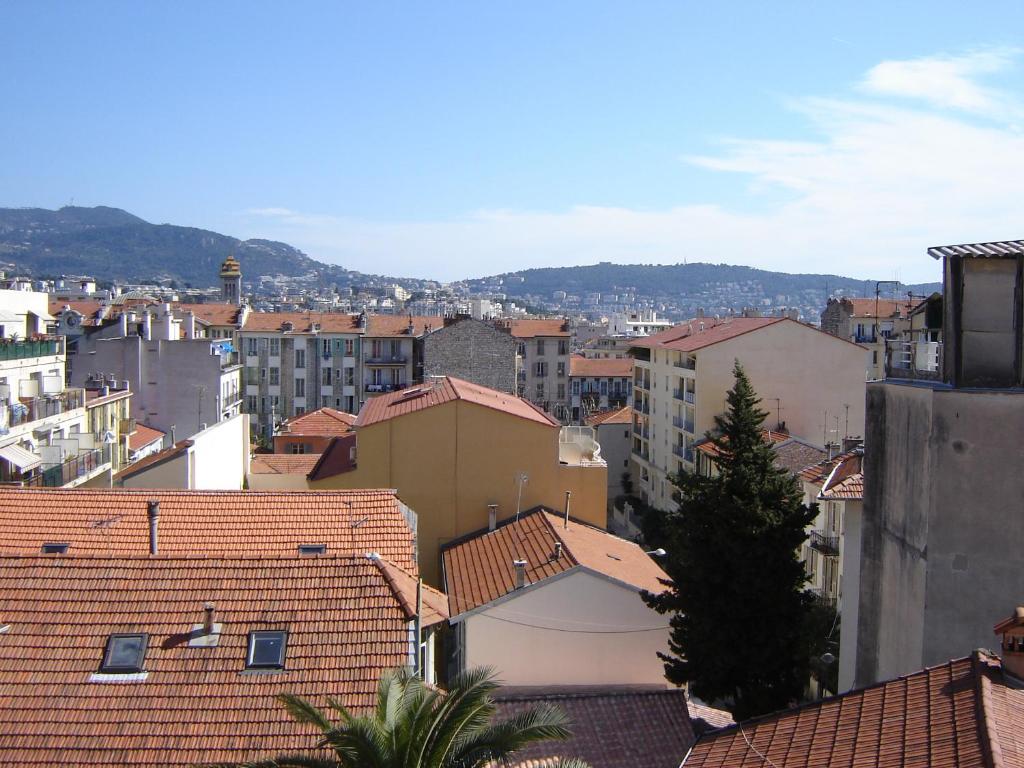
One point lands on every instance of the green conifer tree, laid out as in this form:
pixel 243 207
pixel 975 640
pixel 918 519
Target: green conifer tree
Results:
pixel 739 615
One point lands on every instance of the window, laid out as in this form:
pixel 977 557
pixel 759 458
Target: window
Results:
pixel 54 548
pixel 312 549
pixel 266 649
pixel 252 375
pixel 263 344
pixel 521 349
pixel 300 358
pixel 350 377
pixel 275 347
pixel 540 346
pixel 250 403
pixel 325 377
pixel 540 390
pixel 349 347
pixel 325 349
pixel 540 368
pixel 561 391
pixel 124 653
pixel 263 374
pixel 563 346
pixel 250 346
pixel 275 376
pixel 575 386
pixel 300 387
pixel 299 410
pixel 561 369
pixel 297 447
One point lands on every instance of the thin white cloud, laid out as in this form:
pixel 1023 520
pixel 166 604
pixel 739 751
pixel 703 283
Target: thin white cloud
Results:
pixel 882 184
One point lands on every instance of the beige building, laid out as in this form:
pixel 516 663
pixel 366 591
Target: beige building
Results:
pixel 392 352
pixel 870 323
pixel 543 363
pixel 451 448
pixel 548 601
pixel 811 384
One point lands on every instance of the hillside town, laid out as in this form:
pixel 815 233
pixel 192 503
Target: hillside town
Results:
pixel 213 498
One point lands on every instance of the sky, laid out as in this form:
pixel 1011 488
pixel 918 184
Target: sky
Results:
pixel 452 140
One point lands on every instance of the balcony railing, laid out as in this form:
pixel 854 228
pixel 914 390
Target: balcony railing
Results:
pixel 827 544
pixel 641 405
pixel 683 423
pixel 380 388
pixel 387 360
pixel 38 408
pixel 687 363
pixel 20 350
pixel 684 452
pixel 66 473
pixel 908 359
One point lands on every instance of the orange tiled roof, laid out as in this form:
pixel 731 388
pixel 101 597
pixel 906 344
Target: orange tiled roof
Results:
pixel 404 584
pixel 206 522
pixel 214 313
pixel 323 422
pixel 886 307
pixel 600 366
pixel 528 329
pixel 846 480
pixel 622 415
pixel 447 389
pixel 819 474
pixel 708 448
pixel 330 322
pixel 143 436
pixel 345 628
pixel 398 325
pixel 283 463
pixel 954 715
pixel 612 727
pixel 159 457
pixel 688 336
pixel 478 568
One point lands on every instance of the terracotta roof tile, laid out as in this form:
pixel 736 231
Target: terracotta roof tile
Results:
pixel 345 627
pixel 207 522
pixel 600 366
pixel 947 716
pixel 622 415
pixel 403 584
pixel 688 336
pixel 330 322
pixel 283 463
pixel 323 422
pixel 143 436
pixel 214 313
pixel 611 727
pixel 478 568
pixel 528 329
pixel 439 391
pixel 398 325
pixel 886 308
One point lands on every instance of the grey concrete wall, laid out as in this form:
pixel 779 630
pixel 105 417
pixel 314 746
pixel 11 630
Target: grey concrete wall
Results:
pixel 474 351
pixel 943 529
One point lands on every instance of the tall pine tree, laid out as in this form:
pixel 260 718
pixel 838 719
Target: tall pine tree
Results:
pixel 739 613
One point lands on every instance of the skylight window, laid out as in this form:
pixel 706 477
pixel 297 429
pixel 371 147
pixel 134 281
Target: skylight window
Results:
pixel 266 649
pixel 124 653
pixel 54 547
pixel 312 549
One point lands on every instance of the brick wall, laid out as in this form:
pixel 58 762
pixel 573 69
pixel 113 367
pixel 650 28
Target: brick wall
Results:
pixel 472 350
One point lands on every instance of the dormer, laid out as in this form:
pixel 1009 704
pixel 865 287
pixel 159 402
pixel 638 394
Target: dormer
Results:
pixel 1012 632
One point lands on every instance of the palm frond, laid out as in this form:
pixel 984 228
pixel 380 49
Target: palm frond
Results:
pixel 304 712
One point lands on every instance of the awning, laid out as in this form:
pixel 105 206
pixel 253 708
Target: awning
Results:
pixel 23 459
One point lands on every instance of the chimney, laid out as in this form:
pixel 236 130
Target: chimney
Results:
pixel 520 568
pixel 1012 631
pixel 568 494
pixel 209 611
pixel 147 326
pixel 492 516
pixel 558 551
pixel 831 448
pixel 153 512
pixel 190 325
pixel 700 311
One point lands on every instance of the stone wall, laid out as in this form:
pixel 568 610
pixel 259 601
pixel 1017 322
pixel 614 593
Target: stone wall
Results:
pixel 472 350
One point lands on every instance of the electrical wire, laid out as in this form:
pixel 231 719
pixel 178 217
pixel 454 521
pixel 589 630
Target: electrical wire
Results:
pixel 753 748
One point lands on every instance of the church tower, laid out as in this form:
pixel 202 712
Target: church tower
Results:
pixel 231 281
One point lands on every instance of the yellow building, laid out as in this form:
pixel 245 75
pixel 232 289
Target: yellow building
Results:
pixel 451 449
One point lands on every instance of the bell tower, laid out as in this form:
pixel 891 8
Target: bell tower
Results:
pixel 231 281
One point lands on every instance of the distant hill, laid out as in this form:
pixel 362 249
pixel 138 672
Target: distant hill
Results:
pixel 111 244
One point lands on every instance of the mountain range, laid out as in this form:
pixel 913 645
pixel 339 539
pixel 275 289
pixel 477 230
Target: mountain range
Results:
pixel 113 245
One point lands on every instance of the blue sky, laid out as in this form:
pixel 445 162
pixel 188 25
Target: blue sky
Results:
pixel 450 140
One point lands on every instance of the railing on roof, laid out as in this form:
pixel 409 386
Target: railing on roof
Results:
pixel 577 446
pixel 27 348
pixel 70 470
pixel 909 359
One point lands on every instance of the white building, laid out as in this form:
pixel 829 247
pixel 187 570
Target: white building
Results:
pixel 642 323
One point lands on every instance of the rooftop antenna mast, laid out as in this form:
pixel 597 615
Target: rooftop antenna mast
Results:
pixel 522 478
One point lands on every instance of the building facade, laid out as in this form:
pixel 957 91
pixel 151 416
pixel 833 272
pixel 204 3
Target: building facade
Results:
pixel 598 384
pixel 471 350
pixel 543 363
pixel 870 323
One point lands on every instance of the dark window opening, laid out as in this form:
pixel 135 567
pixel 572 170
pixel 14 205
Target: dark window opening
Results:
pixel 124 653
pixel 312 549
pixel 55 548
pixel 266 649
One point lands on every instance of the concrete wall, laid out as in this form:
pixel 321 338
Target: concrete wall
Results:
pixel 474 351
pixel 942 529
pixel 450 461
pixel 615 442
pixel 218 460
pixel 538 637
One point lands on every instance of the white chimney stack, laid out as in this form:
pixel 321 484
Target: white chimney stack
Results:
pixel 520 568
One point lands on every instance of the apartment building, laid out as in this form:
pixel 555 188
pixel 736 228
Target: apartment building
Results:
pixel 392 352
pixel 598 384
pixel 47 434
pixel 810 382
pixel 300 361
pixel 640 323
pixel 543 363
pixel 941 543
pixel 869 322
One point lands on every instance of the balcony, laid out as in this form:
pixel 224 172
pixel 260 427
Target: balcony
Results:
pixel 908 359
pixel 687 363
pixel 864 338
pixel 827 544
pixel 22 350
pixel 683 423
pixel 387 360
pixel 379 389
pixel 68 473
pixel 642 430
pixel 641 406
pixel 578 447
pixel 24 412
pixel 684 452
